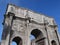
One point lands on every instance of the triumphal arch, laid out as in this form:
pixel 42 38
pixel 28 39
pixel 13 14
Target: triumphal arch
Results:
pixel 19 23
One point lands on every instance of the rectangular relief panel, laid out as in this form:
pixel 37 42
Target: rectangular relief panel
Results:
pixel 18 25
pixel 36 17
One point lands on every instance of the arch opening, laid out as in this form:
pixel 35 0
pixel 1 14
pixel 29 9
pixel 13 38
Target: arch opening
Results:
pixel 38 38
pixel 32 37
pixel 13 43
pixel 17 41
pixel 53 42
pixel 36 33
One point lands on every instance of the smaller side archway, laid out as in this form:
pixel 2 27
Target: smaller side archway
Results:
pixel 17 41
pixel 53 42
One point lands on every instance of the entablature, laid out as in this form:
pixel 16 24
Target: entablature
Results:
pixel 30 15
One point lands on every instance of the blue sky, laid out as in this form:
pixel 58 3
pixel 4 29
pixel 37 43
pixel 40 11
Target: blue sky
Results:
pixel 48 7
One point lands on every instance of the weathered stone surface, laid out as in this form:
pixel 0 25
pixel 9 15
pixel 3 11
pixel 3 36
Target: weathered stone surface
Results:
pixel 20 23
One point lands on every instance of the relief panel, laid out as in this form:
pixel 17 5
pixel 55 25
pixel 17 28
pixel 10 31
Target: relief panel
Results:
pixel 18 25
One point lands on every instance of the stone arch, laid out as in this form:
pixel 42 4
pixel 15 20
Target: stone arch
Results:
pixel 39 37
pixel 36 32
pixel 18 40
pixel 53 42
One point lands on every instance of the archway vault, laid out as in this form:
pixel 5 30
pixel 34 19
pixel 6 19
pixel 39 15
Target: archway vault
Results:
pixel 53 42
pixel 36 33
pixel 39 37
pixel 18 40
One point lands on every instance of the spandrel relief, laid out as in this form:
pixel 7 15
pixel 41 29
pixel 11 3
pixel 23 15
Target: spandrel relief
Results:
pixel 18 25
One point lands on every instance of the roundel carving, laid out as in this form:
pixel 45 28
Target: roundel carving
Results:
pixel 17 25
